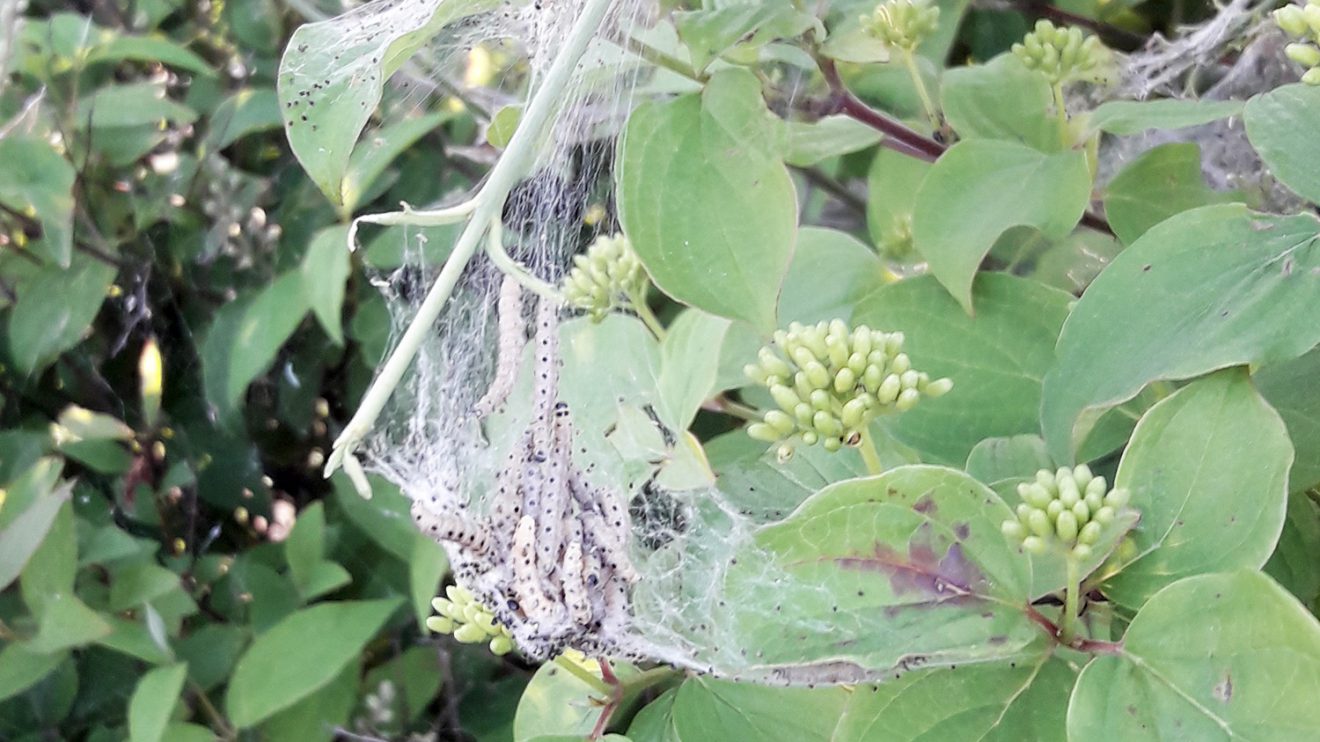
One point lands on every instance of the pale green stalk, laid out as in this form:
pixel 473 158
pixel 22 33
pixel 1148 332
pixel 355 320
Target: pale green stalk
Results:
pixel 487 206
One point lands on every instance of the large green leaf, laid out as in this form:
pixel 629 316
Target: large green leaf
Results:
pixel 153 700
pixel 21 668
pixel 1290 388
pixel 981 187
pixel 333 73
pixel 1208 471
pixel 876 576
pixel 1128 117
pixel 1215 657
pixel 245 112
pixel 1013 457
pixel 710 33
pixel 244 337
pixel 831 136
pixel 36 181
pixel 1281 125
pixel 1001 100
pixel 703 709
pixel 298 655
pixel 54 310
pixel 688 367
pixel 707 201
pixel 133 104
pixel 325 268
pixel 1162 182
pixel 988 702
pixel 996 359
pixel 830 272
pixel 25 533
pixel 1206 289
pixel 556 702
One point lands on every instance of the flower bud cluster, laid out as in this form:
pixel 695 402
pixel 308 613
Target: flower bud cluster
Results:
pixel 1302 22
pixel 902 24
pixel 1062 54
pixel 608 276
pixel 1072 506
pixel 469 621
pixel 830 381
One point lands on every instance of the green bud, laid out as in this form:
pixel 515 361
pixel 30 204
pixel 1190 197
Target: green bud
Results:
pixel 756 373
pixel 902 24
pixel 1303 54
pixel 1104 515
pixel 832 444
pixel 827 424
pixel 1117 497
pixel 1081 552
pixel 861 341
pixel 900 364
pixel 1311 14
pixel 785 397
pixel 1311 76
pixel 803 413
pixel 1089 534
pixel 872 378
pixel 440 624
pixel 894 343
pixel 1093 501
pixel 1034 494
pixel 1034 545
pixel 1068 494
pixel 909 379
pixel 857 363
pixel 781 421
pixel 938 388
pixel 773 364
pixel 803 357
pixel 1039 523
pixel 1024 511
pixel 763 432
pixel 802 386
pixel 1054 508
pixel 845 380
pixel 817 375
pixel 853 412
pixel 889 389
pixel 1082 512
pixel 838 351
pixel 810 437
pixel 907 399
pixel 1290 19
pixel 1046 479
pixel 820 400
pixel 501 645
pixel 1013 530
pixel 1066 526
pixel 469 634
pixel 1082 476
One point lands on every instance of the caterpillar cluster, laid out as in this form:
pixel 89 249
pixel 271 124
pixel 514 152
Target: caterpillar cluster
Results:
pixel 550 558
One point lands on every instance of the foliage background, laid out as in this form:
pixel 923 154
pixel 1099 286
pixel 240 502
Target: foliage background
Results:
pixel 149 205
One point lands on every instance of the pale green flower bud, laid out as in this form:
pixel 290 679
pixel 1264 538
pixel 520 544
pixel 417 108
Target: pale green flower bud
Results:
pixel 1062 55
pixel 1013 530
pixel 902 24
pixel 1034 545
pixel 1303 54
pixel 1290 19
pixel 1065 526
pixel 608 276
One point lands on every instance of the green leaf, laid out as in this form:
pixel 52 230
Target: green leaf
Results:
pixel 1013 457
pixel 558 702
pixel 710 33
pixel 832 136
pixel 333 72
pixel 153 701
pixel 298 655
pixel 1208 471
pixel 245 112
pixel 706 200
pixel 245 336
pixel 1280 124
pixel 997 359
pixel 990 702
pixel 1206 289
pixel 830 272
pixel 502 126
pixel 118 48
pixel 1290 389
pixel 21 668
pixel 21 538
pixel 1164 181
pixel 1130 117
pixel 688 367
pixel 304 549
pixel 316 716
pixel 133 104
pixel 1214 657
pixel 981 187
pixel 881 575
pixel 891 186
pixel 325 269
pixel 376 153
pixel 66 622
pixel 1001 100
pixel 1293 563
pixel 427 565
pixel 54 310
pixel 53 567
pixel 37 182
pixel 703 708
pixel 139 582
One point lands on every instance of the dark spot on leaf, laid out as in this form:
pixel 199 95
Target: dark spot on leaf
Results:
pixel 1223 690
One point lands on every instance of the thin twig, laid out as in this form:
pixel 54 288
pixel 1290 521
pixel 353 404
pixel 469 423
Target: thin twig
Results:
pixel 834 188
